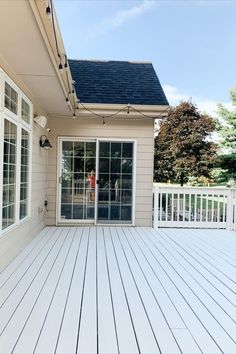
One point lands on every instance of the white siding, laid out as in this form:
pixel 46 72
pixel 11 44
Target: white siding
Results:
pixel 140 130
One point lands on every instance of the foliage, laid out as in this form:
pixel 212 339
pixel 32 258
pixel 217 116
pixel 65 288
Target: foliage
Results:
pixel 182 148
pixel 226 125
pixel 225 168
pixel 219 176
pixel 200 181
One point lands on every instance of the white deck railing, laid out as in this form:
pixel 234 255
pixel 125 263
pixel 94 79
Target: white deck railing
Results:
pixel 195 207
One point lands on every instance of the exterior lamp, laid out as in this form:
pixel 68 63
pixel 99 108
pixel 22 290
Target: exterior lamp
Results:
pixel 45 143
pixel 48 10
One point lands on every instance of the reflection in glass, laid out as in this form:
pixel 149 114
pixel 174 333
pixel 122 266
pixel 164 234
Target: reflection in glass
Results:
pixel 104 149
pixel 67 148
pixel 78 164
pixel 127 150
pixel 116 149
pixel 24 183
pixel 90 149
pixel 115 165
pixel 90 164
pixel 25 111
pixel 9 174
pixel 78 180
pixel 115 182
pixel 104 165
pixel 79 148
pixel 66 195
pixel 11 98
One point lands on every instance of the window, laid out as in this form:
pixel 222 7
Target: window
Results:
pixel 25 111
pixel 24 176
pixel 15 151
pixel 11 98
pixel 9 174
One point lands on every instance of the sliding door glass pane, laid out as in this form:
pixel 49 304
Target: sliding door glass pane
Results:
pixel 115 182
pixel 78 180
pixel 9 174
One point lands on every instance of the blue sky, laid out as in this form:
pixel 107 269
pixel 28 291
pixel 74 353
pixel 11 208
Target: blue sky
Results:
pixel 192 44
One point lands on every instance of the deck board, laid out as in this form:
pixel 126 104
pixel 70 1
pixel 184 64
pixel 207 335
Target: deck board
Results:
pixel 107 333
pixel 209 313
pixel 68 333
pixel 127 341
pixel 111 290
pixel 88 340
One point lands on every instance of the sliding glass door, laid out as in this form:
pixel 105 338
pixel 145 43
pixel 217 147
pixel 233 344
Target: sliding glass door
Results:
pixel 115 182
pixel 95 182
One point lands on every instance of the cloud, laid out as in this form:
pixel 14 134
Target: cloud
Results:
pixel 121 17
pixel 174 95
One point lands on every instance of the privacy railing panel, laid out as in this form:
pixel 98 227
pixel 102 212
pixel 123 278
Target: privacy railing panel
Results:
pixel 195 207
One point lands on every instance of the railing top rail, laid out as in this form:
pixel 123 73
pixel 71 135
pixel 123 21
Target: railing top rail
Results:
pixel 171 189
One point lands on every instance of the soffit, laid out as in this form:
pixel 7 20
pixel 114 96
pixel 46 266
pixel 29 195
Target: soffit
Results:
pixel 23 47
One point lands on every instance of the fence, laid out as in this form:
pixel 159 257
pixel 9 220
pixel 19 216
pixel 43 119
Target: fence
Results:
pixel 195 207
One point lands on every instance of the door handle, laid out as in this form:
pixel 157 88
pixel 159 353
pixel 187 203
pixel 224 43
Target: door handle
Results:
pixel 60 179
pixel 97 181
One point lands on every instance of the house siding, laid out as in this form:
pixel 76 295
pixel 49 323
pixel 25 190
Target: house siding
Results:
pixel 140 130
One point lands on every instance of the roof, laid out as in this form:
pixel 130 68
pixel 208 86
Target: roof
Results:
pixel 117 82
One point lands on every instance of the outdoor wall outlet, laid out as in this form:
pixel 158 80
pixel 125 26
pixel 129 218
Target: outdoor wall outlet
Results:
pixel 46 205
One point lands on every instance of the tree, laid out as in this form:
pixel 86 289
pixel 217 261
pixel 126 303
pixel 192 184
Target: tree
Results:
pixel 225 168
pixel 227 124
pixel 182 147
pixel 226 127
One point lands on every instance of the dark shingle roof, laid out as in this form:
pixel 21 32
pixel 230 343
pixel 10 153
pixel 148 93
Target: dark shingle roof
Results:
pixel 117 82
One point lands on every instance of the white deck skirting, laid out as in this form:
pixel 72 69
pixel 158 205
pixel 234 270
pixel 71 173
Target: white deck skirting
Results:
pixel 121 290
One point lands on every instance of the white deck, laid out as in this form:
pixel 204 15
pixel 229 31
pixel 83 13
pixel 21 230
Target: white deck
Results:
pixel 121 290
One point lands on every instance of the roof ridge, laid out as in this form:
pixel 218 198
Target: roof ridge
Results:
pixel 112 60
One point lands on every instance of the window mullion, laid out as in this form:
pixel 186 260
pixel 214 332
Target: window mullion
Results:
pixel 18 172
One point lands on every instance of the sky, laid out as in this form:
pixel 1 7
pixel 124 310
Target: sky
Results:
pixel 192 44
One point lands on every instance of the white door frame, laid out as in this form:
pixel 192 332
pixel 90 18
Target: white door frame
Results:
pixel 59 169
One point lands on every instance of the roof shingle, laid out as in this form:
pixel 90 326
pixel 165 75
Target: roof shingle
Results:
pixel 117 82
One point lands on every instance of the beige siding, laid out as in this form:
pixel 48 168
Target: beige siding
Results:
pixel 140 130
pixel 12 241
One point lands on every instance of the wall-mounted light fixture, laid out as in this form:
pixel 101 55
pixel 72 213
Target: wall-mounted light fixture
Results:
pixel 45 143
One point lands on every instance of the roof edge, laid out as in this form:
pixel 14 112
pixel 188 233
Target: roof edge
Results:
pixel 113 60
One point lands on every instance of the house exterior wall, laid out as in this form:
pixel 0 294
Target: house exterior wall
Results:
pixel 14 238
pixel 140 130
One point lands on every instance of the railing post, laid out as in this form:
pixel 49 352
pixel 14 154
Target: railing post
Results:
pixel 156 202
pixel 229 212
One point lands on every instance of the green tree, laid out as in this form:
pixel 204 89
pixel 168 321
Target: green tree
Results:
pixel 226 127
pixel 182 147
pixel 227 124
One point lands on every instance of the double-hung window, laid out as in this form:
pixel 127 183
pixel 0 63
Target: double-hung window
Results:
pixel 15 152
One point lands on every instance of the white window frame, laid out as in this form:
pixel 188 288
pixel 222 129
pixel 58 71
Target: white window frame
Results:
pixel 21 124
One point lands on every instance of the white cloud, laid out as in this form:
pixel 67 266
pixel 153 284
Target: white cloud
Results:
pixel 174 95
pixel 121 17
